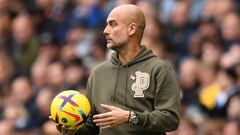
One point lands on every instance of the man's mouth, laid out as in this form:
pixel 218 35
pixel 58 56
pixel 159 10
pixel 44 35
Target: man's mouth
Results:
pixel 108 39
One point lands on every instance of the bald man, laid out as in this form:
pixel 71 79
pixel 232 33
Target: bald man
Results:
pixel 134 92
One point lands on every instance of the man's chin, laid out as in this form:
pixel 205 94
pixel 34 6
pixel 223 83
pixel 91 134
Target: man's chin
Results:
pixel 110 46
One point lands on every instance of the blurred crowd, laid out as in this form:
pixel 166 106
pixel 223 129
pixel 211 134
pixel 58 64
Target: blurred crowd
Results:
pixel 47 46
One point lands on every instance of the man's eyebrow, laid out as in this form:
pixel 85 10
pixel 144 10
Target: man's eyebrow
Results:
pixel 111 21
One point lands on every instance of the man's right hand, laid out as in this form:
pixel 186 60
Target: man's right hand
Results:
pixel 64 130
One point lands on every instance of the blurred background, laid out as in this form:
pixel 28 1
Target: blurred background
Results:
pixel 47 46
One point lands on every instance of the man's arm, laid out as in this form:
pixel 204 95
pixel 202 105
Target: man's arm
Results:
pixel 166 115
pixel 89 128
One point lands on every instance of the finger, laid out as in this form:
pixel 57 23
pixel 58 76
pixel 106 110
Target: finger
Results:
pixel 104 124
pixel 58 126
pixel 101 120
pixel 72 130
pixel 105 127
pixel 102 115
pixel 64 130
pixel 50 117
pixel 109 107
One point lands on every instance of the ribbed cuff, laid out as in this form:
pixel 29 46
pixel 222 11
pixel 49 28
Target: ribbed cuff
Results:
pixel 142 119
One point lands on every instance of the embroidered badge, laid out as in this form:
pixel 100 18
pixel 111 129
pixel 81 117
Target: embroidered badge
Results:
pixel 132 77
pixel 141 84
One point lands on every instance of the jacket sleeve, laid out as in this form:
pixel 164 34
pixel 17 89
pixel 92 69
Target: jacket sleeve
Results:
pixel 166 114
pixel 89 128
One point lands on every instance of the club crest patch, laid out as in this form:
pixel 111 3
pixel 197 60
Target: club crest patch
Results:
pixel 141 84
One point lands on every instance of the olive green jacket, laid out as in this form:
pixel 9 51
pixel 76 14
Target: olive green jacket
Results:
pixel 146 85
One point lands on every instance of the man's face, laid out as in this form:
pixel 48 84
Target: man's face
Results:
pixel 116 31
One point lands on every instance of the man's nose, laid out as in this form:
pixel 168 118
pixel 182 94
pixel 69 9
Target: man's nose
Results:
pixel 106 31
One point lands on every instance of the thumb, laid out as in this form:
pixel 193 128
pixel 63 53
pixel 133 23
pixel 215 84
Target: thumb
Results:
pixel 50 118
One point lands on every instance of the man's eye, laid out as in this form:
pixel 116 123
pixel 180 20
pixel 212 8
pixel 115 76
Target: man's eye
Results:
pixel 113 24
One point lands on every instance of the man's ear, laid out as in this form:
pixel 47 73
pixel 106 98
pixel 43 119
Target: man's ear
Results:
pixel 132 28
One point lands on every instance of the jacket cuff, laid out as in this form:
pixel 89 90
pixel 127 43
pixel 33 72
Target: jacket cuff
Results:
pixel 142 119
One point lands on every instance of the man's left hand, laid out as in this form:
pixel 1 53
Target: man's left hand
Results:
pixel 115 116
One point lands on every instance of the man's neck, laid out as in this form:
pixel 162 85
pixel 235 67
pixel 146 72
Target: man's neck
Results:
pixel 127 55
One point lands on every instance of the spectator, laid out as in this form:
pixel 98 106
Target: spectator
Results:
pixel 42 104
pixel 97 53
pixel 229 29
pixel 223 8
pixel 232 128
pixel 187 127
pixel 25 44
pixel 179 30
pixel 211 51
pixel 68 53
pixel 5 128
pixel 188 81
pixel 233 110
pixel 55 76
pixel 16 116
pixel 148 9
pixel 6 72
pixel 75 75
pixel 49 49
pixel 209 9
pixel 81 38
pixel 195 45
pixel 208 28
pixel 5 30
pixel 213 127
pixel 22 94
pixel 208 86
pixel 231 57
pixel 226 80
pixel 38 75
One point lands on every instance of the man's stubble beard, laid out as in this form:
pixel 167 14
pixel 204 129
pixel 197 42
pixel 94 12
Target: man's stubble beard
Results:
pixel 116 46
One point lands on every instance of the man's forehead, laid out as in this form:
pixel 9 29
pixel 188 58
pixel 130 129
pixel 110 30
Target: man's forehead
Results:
pixel 113 17
pixel 110 19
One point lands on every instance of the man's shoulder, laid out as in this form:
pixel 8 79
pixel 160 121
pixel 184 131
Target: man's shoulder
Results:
pixel 101 67
pixel 159 63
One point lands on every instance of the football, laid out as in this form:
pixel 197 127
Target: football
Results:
pixel 70 108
